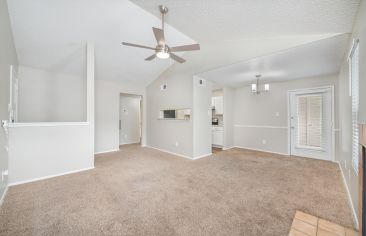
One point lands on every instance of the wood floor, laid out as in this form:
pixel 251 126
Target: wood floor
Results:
pixel 309 225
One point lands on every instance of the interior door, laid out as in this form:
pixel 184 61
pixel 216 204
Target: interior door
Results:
pixel 311 123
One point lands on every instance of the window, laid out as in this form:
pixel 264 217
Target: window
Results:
pixel 354 89
pixel 309 121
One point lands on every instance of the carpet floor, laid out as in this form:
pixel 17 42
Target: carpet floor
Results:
pixel 141 191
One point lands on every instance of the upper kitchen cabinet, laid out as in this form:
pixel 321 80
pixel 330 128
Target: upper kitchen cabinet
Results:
pixel 218 105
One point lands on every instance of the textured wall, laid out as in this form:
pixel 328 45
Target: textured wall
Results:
pixel 202 118
pixel 171 135
pixel 344 142
pixel 107 95
pixel 51 97
pixel 256 119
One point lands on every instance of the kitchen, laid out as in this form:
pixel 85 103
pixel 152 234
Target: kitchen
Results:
pixel 217 102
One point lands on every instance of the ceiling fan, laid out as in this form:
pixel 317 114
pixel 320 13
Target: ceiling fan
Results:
pixel 162 50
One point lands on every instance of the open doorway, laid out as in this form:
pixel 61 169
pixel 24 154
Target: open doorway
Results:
pixel 130 119
pixel 217 102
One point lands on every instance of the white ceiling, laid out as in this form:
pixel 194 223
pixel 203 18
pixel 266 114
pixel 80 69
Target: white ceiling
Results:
pixel 51 35
pixel 221 20
pixel 322 57
pixel 232 31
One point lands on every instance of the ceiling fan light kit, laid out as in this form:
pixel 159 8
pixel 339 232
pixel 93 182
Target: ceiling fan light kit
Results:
pixel 162 50
pixel 255 86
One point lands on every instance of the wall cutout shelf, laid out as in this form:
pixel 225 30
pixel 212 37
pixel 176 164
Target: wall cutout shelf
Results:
pixel 175 114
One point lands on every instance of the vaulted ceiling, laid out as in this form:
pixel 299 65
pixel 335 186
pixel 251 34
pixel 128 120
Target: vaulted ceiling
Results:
pixel 322 57
pixel 234 31
pixel 227 20
pixel 51 35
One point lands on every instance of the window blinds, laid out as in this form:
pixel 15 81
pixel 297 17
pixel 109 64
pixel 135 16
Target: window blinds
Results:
pixel 354 79
pixel 309 121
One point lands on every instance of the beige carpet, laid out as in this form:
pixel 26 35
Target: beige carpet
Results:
pixel 140 191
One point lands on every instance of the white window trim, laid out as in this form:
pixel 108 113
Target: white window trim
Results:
pixel 355 132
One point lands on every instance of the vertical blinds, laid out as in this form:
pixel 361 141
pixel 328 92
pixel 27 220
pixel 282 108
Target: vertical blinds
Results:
pixel 354 78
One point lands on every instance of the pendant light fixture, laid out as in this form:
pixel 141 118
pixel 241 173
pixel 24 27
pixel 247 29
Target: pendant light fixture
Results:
pixel 255 86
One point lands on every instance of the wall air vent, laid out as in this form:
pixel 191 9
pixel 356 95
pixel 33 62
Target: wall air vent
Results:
pixel 202 82
pixel 163 87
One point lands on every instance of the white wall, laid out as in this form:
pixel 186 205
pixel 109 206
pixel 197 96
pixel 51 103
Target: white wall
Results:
pixel 255 117
pixel 202 118
pixel 50 97
pixel 107 96
pixel 130 119
pixel 344 142
pixel 42 150
pixel 228 117
pixel 165 134
pixel 7 57
pixel 359 31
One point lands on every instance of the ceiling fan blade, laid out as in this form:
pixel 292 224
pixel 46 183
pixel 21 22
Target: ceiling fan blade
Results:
pixel 190 47
pixel 150 57
pixel 176 58
pixel 159 35
pixel 136 45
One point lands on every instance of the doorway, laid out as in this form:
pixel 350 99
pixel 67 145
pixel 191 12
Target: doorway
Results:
pixel 130 119
pixel 311 123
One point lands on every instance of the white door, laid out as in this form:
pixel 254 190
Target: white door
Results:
pixel 311 123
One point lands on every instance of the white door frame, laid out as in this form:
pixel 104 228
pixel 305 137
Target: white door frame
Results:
pixel 331 87
pixel 141 123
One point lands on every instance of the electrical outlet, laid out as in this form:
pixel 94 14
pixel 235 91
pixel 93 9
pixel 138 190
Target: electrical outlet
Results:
pixel 176 143
pixel 264 141
pixel 125 136
pixel 277 114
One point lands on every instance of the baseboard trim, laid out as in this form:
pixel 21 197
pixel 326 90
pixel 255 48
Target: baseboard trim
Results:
pixel 227 148
pixel 49 176
pixel 355 219
pixel 114 150
pixel 261 150
pixel 166 151
pixel 3 196
pixel 202 156
pixel 121 144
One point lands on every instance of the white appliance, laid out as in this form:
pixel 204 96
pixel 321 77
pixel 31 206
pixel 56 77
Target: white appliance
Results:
pixel 217 136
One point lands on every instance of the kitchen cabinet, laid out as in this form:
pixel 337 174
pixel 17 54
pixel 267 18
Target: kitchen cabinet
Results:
pixel 217 136
pixel 218 104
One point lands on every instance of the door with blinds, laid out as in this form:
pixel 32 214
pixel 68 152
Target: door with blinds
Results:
pixel 311 123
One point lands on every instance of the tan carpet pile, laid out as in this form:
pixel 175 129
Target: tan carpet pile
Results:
pixel 141 191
